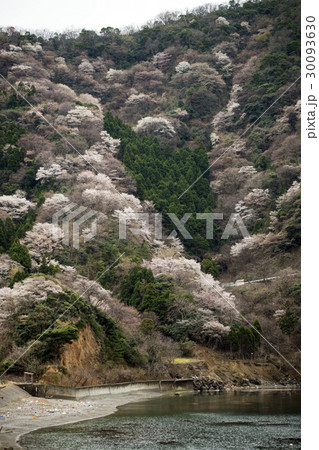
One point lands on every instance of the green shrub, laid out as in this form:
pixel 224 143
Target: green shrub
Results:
pixel 147 326
pixel 245 340
pixel 18 276
pixel 288 321
pixel 20 253
pixel 146 293
pixel 208 265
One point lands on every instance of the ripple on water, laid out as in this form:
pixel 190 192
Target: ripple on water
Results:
pixel 242 420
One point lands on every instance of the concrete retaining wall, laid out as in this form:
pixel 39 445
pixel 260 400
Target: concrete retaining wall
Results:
pixel 77 393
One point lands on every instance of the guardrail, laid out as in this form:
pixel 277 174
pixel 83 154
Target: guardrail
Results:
pixel 261 280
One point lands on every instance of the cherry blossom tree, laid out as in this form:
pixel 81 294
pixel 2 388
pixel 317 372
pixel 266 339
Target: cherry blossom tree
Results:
pixel 155 126
pixel 214 139
pixel 29 291
pixel 221 21
pixel 182 67
pixel 222 118
pixel 127 317
pixel 215 330
pixel 76 115
pixel 86 67
pixel 43 239
pixel 8 267
pixel 247 171
pixel 208 292
pixel 114 74
pixel 109 200
pixel 54 171
pixel 139 99
pixel 161 60
pixel 110 144
pixel 16 205
pixel 287 198
pixel 204 75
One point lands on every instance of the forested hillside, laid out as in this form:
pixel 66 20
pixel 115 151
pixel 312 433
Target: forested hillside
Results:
pixel 192 114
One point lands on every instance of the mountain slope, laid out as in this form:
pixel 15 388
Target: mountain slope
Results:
pixel 196 114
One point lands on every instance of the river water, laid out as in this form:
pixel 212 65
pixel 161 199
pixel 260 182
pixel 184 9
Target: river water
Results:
pixel 226 420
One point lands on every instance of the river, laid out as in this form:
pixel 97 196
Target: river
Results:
pixel 221 420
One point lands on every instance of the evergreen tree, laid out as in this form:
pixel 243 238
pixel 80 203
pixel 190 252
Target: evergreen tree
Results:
pixel 3 238
pixel 288 321
pixel 256 330
pixel 18 276
pixel 208 265
pixel 20 253
pixel 10 232
pixel 48 269
pixel 146 293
